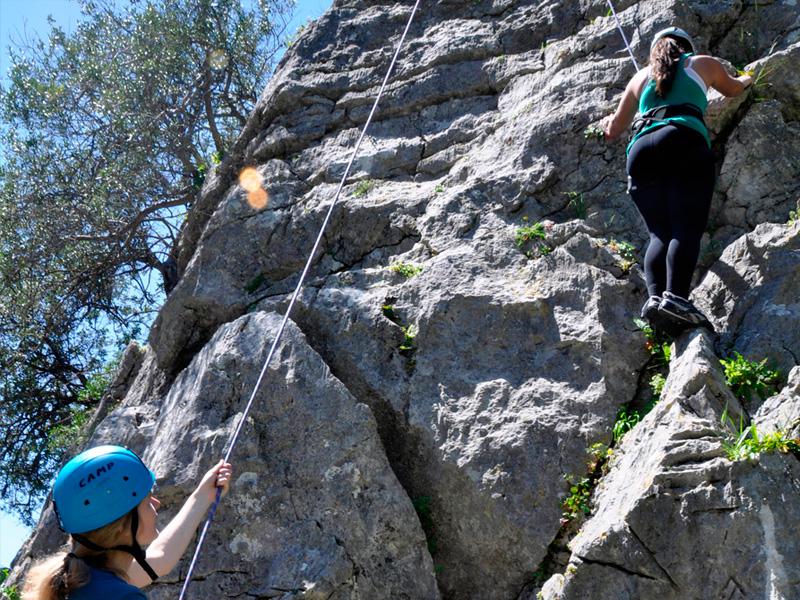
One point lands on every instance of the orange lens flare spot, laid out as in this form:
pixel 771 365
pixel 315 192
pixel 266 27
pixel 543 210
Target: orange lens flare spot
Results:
pixel 257 199
pixel 250 179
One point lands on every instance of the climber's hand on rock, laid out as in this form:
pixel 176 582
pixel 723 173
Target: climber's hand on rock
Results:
pixel 607 126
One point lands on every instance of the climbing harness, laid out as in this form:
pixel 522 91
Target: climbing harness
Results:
pixel 624 39
pixel 660 113
pixel 232 442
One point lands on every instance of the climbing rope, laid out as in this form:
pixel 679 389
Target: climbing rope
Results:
pixel 625 39
pixel 232 442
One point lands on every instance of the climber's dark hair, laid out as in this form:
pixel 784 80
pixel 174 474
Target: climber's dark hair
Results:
pixel 664 59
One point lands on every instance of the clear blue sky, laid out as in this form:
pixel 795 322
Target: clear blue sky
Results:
pixel 20 18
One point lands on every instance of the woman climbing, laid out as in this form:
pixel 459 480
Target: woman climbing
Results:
pixel 671 168
pixel 104 498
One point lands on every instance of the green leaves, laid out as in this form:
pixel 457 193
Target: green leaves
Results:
pixel 528 239
pixel 627 419
pixel 749 443
pixel 9 593
pixel 106 136
pixel 748 378
pixel 406 270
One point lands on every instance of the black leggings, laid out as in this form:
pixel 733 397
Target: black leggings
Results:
pixel 671 181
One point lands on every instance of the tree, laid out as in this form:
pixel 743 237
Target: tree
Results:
pixel 107 134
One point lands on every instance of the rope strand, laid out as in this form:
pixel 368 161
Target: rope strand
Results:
pixel 213 509
pixel 624 39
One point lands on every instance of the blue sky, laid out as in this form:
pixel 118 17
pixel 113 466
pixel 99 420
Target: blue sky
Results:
pixel 21 18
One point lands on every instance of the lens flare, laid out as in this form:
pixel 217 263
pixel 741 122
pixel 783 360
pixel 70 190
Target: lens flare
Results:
pixel 250 179
pixel 252 182
pixel 257 199
pixel 217 59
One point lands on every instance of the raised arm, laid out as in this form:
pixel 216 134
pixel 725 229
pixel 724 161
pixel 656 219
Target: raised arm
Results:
pixel 714 74
pixel 615 125
pixel 170 544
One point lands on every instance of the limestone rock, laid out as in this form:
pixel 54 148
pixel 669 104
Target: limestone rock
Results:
pixel 316 501
pixel 751 294
pixel 738 533
pixel 466 329
pixel 782 411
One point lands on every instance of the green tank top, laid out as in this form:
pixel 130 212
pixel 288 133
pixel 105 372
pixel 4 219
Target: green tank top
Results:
pixel 687 88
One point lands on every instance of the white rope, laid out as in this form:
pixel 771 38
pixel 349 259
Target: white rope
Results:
pixel 309 262
pixel 625 39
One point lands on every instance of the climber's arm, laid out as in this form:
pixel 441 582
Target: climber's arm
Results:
pixel 170 544
pixel 615 125
pixel 714 74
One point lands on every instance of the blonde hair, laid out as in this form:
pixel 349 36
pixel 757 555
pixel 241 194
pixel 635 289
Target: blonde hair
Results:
pixel 59 574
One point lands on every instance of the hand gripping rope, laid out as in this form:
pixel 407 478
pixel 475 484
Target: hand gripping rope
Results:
pixel 624 39
pixel 232 442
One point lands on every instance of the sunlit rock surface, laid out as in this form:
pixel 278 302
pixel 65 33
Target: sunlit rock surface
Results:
pixel 468 381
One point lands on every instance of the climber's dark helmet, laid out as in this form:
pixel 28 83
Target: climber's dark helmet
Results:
pixel 673 32
pixel 99 486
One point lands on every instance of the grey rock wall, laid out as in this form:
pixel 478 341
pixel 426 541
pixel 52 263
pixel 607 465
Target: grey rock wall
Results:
pixel 472 389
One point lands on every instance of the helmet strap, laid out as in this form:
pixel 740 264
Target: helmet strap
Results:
pixel 134 549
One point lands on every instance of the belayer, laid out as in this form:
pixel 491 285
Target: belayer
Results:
pixel 671 167
pixel 104 499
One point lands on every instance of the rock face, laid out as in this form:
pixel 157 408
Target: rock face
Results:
pixel 675 519
pixel 466 330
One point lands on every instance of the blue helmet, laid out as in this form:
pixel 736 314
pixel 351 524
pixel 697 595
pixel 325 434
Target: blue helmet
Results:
pixel 99 486
pixel 674 32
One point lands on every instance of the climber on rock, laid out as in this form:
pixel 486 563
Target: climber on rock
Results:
pixel 104 499
pixel 671 167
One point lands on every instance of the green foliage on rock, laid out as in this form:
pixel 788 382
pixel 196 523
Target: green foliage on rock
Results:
pixel 363 188
pixel 107 134
pixel 748 443
pixel 407 270
pixel 748 377
pixel 11 592
pixel 530 239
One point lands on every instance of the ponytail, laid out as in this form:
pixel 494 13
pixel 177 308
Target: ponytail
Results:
pixel 58 575
pixel 664 59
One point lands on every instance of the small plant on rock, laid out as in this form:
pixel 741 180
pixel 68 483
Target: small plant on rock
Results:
pixel 578 502
pixel 627 419
pixel 407 270
pixel 593 132
pixel 658 347
pixel 531 237
pixel 748 377
pixel 657 382
pixel 626 252
pixel 749 443
pixel 409 337
pixel 363 188
pixel 578 204
pixel 388 312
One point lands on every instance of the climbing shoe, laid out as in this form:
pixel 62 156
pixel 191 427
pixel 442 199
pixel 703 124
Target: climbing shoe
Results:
pixel 650 309
pixel 661 324
pixel 682 312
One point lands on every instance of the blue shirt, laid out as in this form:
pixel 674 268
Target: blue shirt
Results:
pixel 104 585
